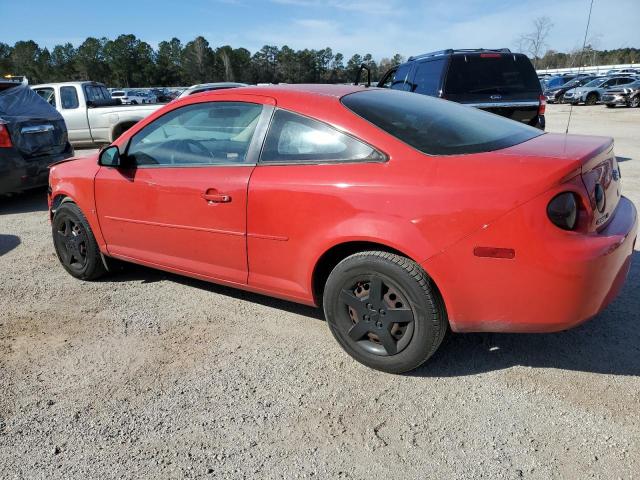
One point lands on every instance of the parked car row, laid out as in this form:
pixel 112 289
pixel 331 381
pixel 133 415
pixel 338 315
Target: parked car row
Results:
pixel 589 90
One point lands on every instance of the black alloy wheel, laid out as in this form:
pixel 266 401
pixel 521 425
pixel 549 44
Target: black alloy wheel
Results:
pixel 591 99
pixel 382 319
pixel 384 310
pixel 75 244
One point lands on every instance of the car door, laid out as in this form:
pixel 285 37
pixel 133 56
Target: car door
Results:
pixel 74 116
pixel 297 190
pixel 179 200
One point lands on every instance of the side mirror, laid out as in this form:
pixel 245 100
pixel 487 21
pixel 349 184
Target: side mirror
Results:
pixel 109 157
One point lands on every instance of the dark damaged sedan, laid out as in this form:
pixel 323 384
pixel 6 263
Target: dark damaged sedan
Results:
pixel 33 135
pixel 625 95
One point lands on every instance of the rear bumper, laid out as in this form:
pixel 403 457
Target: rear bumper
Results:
pixel 557 279
pixel 18 174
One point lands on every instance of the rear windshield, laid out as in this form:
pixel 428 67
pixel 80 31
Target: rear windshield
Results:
pixel 435 126
pixel 491 73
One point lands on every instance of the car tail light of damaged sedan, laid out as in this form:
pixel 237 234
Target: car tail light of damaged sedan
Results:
pixel 401 215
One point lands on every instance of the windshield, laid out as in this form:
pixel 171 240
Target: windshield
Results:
pixel 596 83
pixel 576 82
pixel 435 126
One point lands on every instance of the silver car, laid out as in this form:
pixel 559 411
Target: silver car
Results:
pixel 591 93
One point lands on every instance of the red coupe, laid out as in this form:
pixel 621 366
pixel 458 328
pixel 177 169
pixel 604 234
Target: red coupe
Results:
pixel 401 214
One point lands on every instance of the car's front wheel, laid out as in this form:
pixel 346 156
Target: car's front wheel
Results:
pixel 75 243
pixel 591 99
pixel 635 102
pixel 382 308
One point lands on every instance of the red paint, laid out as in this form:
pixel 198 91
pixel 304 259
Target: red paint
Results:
pixel 279 220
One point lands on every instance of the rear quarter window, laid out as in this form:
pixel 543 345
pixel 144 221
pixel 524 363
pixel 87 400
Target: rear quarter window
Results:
pixel 427 77
pixel 434 126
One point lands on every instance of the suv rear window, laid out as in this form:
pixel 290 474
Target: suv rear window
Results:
pixel 491 74
pixel 435 126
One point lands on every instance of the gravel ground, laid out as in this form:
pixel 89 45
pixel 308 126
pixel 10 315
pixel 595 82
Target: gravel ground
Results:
pixel 150 375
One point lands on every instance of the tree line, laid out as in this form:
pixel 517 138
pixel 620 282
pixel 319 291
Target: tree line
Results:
pixel 130 62
pixel 588 57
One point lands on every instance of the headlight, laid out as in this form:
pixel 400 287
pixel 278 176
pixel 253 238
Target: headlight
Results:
pixel 563 211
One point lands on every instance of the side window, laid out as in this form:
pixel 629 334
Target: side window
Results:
pixel 401 78
pixel 293 138
pixel 427 78
pixel 200 134
pixel 388 79
pixel 47 94
pixel 624 81
pixel 69 97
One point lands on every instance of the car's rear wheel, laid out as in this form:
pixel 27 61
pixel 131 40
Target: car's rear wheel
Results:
pixel 591 99
pixel 560 99
pixel 635 102
pixel 382 308
pixel 75 243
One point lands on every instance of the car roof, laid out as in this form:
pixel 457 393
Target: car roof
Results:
pixel 288 92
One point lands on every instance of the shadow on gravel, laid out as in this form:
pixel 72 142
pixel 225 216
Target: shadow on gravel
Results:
pixel 8 243
pixel 132 273
pixel 608 344
pixel 622 159
pixel 31 201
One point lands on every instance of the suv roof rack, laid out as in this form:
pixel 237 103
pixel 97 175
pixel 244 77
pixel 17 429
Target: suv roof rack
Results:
pixel 450 51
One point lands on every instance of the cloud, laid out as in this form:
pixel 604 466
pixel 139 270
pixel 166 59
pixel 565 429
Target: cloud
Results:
pixel 372 7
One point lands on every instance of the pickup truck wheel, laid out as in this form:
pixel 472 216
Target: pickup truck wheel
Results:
pixel 75 244
pixel 384 312
pixel 591 99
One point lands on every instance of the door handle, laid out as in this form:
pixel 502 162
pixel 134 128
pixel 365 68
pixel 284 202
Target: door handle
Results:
pixel 216 197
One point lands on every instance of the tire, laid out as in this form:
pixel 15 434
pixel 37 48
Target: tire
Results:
pixel 635 102
pixel 560 99
pixel 363 296
pixel 591 99
pixel 75 243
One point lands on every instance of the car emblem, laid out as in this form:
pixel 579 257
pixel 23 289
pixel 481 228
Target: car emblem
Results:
pixel 495 97
pixel 615 174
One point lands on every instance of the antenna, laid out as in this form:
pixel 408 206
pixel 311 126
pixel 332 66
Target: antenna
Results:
pixel 584 44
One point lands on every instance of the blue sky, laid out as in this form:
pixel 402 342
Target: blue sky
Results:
pixel 379 27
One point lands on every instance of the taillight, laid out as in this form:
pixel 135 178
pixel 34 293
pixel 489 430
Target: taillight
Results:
pixel 563 210
pixel 5 138
pixel 543 105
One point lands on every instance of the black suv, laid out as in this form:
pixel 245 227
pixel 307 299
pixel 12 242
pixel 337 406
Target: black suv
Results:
pixel 494 80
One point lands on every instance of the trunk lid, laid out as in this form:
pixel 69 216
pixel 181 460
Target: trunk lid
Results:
pixel 36 137
pixel 590 157
pixel 35 127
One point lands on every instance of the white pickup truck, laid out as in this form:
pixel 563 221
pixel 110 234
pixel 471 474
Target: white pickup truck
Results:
pixel 91 115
